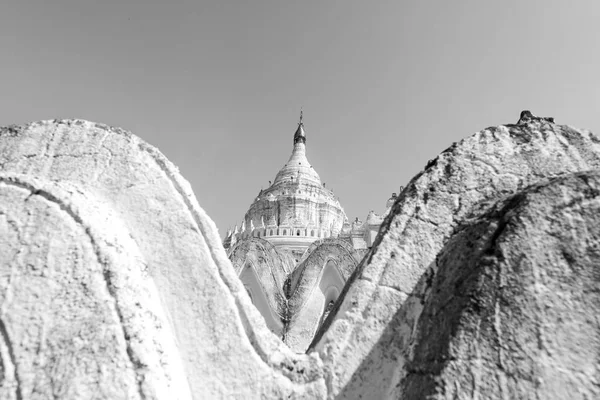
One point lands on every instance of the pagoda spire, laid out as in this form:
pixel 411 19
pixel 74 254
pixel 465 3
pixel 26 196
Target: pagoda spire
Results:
pixel 300 136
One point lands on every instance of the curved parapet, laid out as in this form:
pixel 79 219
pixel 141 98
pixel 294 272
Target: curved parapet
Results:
pixel 315 285
pixel 225 347
pixel 318 250
pixel 356 342
pixel 510 311
pixel 283 265
pixel 123 221
pixel 263 271
pixel 80 316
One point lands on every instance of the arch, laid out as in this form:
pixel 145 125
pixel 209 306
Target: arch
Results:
pixel 323 276
pixel 271 266
pixel 284 232
pixel 312 233
pixel 298 232
pixel 271 233
pixel 318 254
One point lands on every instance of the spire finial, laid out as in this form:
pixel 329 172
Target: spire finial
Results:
pixel 299 136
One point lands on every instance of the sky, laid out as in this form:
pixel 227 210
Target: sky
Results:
pixel 217 86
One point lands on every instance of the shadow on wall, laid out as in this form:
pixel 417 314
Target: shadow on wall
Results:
pixel 498 316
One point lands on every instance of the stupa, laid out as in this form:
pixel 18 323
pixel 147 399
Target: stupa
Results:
pixel 295 248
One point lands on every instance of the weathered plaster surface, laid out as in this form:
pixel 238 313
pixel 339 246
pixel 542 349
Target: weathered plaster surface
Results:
pixel 80 317
pixel 373 325
pixel 508 306
pixel 224 345
pixel 173 301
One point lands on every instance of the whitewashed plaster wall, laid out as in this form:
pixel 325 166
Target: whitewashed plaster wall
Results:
pixel 117 198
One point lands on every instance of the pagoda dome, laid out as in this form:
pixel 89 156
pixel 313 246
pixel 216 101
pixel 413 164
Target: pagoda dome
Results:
pixel 297 207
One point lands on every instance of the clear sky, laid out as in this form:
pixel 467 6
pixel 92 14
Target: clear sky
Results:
pixel 217 85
